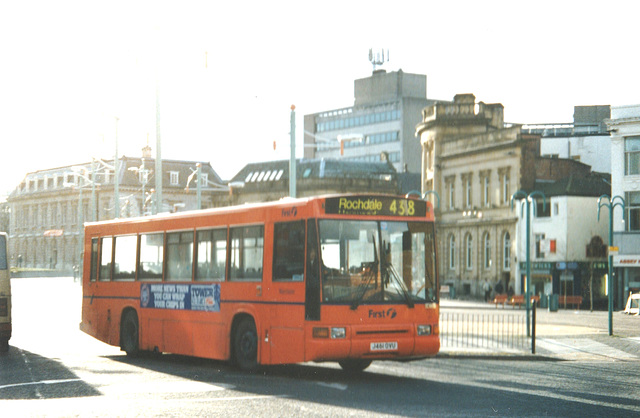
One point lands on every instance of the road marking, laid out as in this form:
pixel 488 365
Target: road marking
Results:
pixel 41 382
pixel 338 386
pixel 579 347
pixel 179 386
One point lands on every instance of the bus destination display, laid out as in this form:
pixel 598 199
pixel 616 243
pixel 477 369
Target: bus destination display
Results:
pixel 375 206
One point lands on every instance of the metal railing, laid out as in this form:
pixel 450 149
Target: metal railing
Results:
pixel 491 332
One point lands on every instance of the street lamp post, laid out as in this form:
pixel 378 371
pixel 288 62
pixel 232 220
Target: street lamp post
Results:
pixel 199 186
pixel 611 203
pixel 292 160
pixel 116 184
pixel 529 198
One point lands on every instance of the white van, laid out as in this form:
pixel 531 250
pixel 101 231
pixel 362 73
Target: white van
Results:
pixel 632 304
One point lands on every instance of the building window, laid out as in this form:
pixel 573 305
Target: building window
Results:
pixel 469 251
pixel 505 185
pixel 143 176
pixel 204 179
pixel 485 184
pixel 542 209
pixel 632 156
pixel 539 242
pixel 174 177
pixel 487 250
pixel 466 184
pixel 451 191
pixel 632 200
pixel 506 252
pixel 452 252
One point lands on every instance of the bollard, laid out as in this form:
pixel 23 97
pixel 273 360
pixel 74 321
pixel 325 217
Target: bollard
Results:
pixel 533 328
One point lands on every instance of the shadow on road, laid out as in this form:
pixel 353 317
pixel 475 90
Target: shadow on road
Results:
pixel 379 393
pixel 26 375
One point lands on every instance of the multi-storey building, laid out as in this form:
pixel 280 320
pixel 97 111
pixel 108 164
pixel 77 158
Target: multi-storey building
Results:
pixel 475 163
pixel 624 127
pixel 49 207
pixel 386 109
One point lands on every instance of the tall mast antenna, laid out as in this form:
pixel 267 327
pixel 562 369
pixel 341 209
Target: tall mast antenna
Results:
pixel 377 58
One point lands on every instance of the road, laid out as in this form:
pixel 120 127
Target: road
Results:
pixel 52 369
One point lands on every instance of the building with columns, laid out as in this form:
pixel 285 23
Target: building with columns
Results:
pixel 48 208
pixel 474 163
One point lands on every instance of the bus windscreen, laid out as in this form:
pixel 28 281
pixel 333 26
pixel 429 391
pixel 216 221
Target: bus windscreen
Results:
pixel 377 262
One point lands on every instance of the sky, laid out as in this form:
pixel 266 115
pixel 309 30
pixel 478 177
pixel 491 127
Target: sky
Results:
pixel 76 75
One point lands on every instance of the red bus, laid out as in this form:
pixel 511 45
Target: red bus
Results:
pixel 346 278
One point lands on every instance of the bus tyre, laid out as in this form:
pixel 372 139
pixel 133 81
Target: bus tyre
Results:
pixel 354 365
pixel 129 334
pixel 4 345
pixel 245 345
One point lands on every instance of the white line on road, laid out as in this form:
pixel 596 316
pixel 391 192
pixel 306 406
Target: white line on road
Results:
pixel 582 347
pixel 338 386
pixel 41 382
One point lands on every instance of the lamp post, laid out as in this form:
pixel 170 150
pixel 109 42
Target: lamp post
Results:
pixel 529 199
pixel 292 160
pixel 611 203
pixel 116 184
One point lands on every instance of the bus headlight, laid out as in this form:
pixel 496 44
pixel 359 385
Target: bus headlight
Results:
pixel 424 329
pixel 338 333
pixel 334 333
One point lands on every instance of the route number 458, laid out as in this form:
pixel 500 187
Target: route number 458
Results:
pixel 403 207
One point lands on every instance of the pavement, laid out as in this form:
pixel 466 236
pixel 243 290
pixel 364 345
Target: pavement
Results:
pixel 566 334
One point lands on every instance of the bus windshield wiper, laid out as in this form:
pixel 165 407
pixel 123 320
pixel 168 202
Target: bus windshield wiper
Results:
pixel 371 274
pixel 389 270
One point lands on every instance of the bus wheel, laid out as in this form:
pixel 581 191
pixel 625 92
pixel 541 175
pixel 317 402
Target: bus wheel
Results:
pixel 354 365
pixel 4 345
pixel 245 345
pixel 129 334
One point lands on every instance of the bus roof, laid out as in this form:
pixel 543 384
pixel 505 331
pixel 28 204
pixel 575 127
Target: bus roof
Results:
pixel 284 202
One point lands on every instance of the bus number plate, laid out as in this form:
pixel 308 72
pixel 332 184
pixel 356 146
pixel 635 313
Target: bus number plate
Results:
pixel 384 346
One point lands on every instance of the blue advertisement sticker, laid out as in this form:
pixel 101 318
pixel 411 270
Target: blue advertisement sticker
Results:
pixel 190 297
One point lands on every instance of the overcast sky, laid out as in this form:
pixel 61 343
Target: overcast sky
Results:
pixel 228 72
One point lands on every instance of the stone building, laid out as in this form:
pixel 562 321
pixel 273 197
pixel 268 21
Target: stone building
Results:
pixel 474 163
pixel 49 207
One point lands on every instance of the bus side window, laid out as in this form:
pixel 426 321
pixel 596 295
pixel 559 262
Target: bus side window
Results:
pixel 151 256
pixel 106 255
pixel 211 247
pixel 125 252
pixel 179 256
pixel 94 259
pixel 288 249
pixel 246 255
